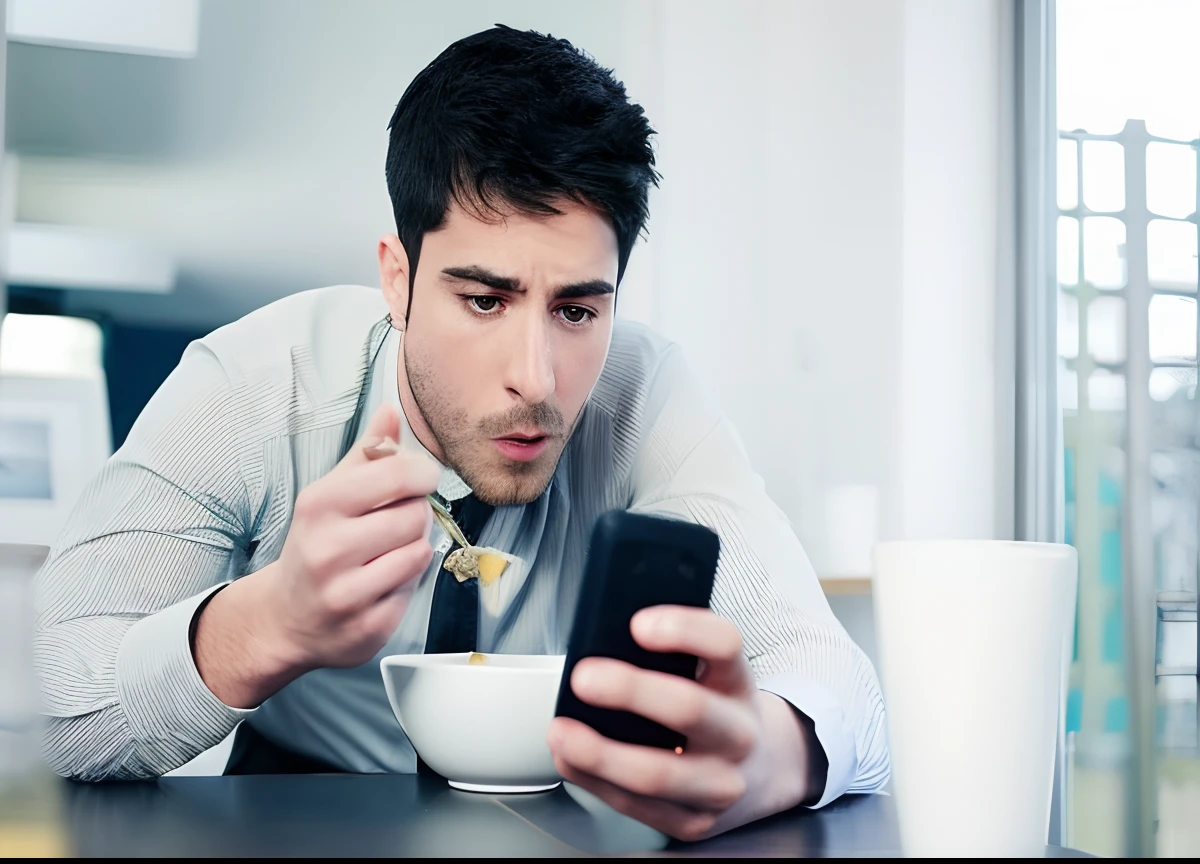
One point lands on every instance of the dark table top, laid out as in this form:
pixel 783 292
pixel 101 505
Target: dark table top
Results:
pixel 408 815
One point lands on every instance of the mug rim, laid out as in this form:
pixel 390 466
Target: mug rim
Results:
pixel 1057 549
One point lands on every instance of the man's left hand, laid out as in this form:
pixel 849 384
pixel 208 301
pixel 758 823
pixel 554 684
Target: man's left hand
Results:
pixel 748 754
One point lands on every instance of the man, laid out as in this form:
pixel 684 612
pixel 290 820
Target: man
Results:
pixel 252 550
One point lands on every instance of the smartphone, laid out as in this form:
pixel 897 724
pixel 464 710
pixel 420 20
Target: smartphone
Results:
pixel 635 561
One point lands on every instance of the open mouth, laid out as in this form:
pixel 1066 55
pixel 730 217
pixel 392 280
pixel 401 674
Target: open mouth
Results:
pixel 522 447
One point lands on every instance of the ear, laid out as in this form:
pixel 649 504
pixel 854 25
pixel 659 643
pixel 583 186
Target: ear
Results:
pixel 393 277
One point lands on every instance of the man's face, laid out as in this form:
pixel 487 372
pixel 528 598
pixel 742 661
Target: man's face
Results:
pixel 508 332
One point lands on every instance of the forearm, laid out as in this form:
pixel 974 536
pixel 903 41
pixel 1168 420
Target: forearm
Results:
pixel 240 655
pixel 124 701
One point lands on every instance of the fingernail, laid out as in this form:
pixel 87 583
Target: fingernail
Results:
pixel 377 448
pixel 373 441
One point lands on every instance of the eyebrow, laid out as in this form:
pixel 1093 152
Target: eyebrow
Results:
pixel 572 291
pixel 579 290
pixel 475 273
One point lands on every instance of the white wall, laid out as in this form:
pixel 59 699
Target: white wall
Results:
pixel 823 245
pixel 258 163
pixel 776 239
pixel 949 444
pixel 132 26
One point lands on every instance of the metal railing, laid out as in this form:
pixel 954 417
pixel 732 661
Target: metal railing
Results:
pixel 1138 436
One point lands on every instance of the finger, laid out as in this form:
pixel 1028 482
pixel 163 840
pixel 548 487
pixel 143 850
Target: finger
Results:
pixel 364 538
pixel 384 424
pixel 713 722
pixel 700 632
pixel 386 575
pixel 670 819
pixel 698 781
pixel 383 616
pixel 355 489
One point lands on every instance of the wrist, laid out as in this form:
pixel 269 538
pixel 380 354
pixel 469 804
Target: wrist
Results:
pixel 241 652
pixel 794 755
pixel 282 653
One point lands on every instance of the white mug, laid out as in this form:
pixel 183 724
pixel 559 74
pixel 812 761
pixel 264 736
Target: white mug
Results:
pixel 974 639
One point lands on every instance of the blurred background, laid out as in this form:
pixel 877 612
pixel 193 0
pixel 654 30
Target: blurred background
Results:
pixel 937 258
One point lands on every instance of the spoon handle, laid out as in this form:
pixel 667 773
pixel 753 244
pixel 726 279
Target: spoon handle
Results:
pixel 447 522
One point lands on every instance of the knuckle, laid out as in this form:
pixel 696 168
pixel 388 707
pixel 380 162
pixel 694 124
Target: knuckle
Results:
pixel 742 740
pixel 623 684
pixel 693 707
pixel 588 757
pixel 728 792
pixel 695 827
pixel 743 736
pixel 656 779
pixel 320 558
pixel 731 640
pixel 422 552
pixel 336 602
pixel 306 503
pixel 309 555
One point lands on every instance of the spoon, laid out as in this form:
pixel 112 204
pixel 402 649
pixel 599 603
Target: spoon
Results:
pixel 464 562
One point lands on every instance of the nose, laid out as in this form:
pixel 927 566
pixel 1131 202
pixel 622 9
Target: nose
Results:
pixel 529 374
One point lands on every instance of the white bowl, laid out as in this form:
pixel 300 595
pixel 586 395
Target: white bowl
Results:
pixel 481 727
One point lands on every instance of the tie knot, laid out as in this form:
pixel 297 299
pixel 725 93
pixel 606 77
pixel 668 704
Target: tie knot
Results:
pixel 472 515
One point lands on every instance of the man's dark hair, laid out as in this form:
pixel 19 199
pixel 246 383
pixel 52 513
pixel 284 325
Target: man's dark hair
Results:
pixel 509 121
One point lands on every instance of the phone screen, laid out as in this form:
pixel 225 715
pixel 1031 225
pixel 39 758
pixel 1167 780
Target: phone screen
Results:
pixel 636 561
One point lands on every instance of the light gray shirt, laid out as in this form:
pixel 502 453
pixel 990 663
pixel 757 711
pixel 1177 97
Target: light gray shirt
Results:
pixel 202 492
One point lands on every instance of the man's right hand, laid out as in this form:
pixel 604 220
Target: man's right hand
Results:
pixel 359 537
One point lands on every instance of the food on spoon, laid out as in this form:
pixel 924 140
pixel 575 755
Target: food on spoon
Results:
pixel 467 562
pixel 491 566
pixel 477 562
pixel 476 659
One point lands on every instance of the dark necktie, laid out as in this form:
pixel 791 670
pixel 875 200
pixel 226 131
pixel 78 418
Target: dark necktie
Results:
pixel 454 613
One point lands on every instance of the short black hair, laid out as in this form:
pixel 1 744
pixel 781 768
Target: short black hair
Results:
pixel 512 121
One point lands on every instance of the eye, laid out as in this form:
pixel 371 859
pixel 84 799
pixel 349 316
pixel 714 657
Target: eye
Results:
pixel 575 314
pixel 484 304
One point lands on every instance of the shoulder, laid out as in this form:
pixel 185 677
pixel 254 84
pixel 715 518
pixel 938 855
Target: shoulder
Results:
pixel 319 335
pixel 647 393
pixel 647 374
pixel 634 357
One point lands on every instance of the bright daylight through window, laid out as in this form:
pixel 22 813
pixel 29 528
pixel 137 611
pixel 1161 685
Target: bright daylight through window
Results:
pixel 1128 121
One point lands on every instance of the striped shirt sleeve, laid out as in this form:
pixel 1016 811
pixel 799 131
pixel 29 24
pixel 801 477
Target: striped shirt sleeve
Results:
pixel 161 526
pixel 693 466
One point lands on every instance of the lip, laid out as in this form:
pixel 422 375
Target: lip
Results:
pixel 521 447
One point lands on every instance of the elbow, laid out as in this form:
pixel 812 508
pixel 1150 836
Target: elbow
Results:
pixel 73 750
pixel 875 761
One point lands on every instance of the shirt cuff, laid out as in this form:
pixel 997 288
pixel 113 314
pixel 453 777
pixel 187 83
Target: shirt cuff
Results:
pixel 829 722
pixel 172 714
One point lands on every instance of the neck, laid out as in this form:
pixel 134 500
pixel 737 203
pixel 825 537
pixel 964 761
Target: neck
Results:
pixel 412 412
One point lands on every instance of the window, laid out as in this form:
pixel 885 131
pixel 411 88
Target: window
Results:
pixel 1129 124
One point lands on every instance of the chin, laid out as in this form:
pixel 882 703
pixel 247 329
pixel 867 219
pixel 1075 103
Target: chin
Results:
pixel 506 486
pixel 509 491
